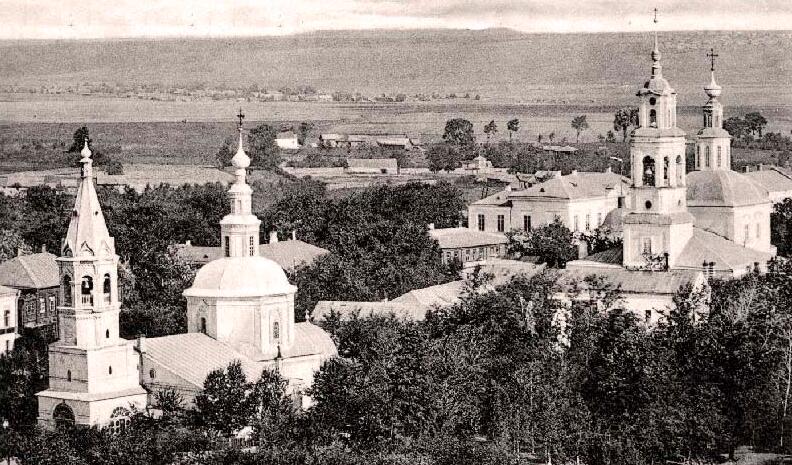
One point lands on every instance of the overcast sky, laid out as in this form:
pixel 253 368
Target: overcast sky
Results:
pixel 73 19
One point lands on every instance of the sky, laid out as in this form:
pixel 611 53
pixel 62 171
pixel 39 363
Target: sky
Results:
pixel 92 19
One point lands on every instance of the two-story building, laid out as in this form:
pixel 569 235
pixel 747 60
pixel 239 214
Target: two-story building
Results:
pixel 35 276
pixel 581 201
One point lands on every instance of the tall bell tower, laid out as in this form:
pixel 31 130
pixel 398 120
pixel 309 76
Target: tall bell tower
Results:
pixel 93 372
pixel 658 225
pixel 713 143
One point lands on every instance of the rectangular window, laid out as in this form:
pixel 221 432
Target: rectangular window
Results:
pixel 647 245
pixel 719 156
pixel 8 345
pixel 227 246
pixel 588 221
pixel 501 223
pixel 42 305
pixel 526 223
pixel 746 234
pixel 7 318
pixel 575 223
pixel 599 219
pixel 648 316
pixel 252 246
pixel 481 222
pixel 467 255
pixel 52 303
pixel 758 230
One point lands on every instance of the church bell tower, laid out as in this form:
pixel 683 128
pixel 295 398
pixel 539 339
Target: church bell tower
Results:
pixel 713 143
pixel 93 372
pixel 658 225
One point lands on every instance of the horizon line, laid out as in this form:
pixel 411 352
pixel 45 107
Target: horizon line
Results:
pixel 374 29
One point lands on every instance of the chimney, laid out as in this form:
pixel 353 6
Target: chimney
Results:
pixel 746 169
pixel 294 234
pixel 43 248
pixel 188 243
pixel 609 170
pixel 140 344
pixel 273 237
pixel 430 226
pixel 574 173
pixel 582 247
pixel 761 167
pixel 20 252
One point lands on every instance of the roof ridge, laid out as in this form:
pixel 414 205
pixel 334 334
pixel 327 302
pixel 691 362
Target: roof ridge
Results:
pixel 28 270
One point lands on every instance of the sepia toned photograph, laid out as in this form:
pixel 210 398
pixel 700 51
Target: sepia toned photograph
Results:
pixel 396 232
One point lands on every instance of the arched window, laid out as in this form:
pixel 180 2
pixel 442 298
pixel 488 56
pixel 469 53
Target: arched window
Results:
pixel 110 370
pixel 718 160
pixel 203 325
pixel 648 171
pixel 119 420
pixel 707 158
pixel 665 169
pixel 107 334
pixel 67 291
pixel 63 416
pixel 252 245
pixel 68 375
pixel 275 331
pixel 86 290
pixel 698 156
pixel 227 246
pixel 652 118
pixel 106 288
pixel 152 374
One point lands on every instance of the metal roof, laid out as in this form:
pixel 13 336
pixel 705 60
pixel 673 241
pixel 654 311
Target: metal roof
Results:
pixel 34 271
pixel 723 188
pixel 458 238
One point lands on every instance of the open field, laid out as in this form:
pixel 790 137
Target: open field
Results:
pixel 194 141
pixel 500 64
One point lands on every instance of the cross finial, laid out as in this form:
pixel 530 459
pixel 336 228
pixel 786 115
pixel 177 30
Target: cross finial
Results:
pixel 712 55
pixel 241 117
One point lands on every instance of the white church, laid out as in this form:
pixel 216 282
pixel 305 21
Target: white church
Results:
pixel 240 307
pixel 681 228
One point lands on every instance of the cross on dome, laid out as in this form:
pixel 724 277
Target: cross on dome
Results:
pixel 712 55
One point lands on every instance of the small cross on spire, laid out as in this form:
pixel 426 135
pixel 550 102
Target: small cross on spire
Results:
pixel 241 117
pixel 712 55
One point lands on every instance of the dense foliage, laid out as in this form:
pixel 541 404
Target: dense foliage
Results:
pixel 502 375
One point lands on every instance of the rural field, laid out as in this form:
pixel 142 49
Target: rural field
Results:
pixel 544 80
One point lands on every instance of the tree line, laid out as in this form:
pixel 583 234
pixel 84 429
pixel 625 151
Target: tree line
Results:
pixel 499 377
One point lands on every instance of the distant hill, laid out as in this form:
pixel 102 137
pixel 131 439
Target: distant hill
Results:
pixel 754 67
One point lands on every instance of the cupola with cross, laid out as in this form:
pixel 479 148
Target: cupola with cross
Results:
pixel 659 225
pixel 713 143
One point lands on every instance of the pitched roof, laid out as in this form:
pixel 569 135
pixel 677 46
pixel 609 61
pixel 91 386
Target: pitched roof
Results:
pixel 34 271
pixel 633 282
pixel 573 186
pixel 389 163
pixel 310 339
pixel 456 238
pixel 440 295
pixel 192 356
pixel 288 254
pixel 723 188
pixel 727 255
pixel 773 180
pixel 498 198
